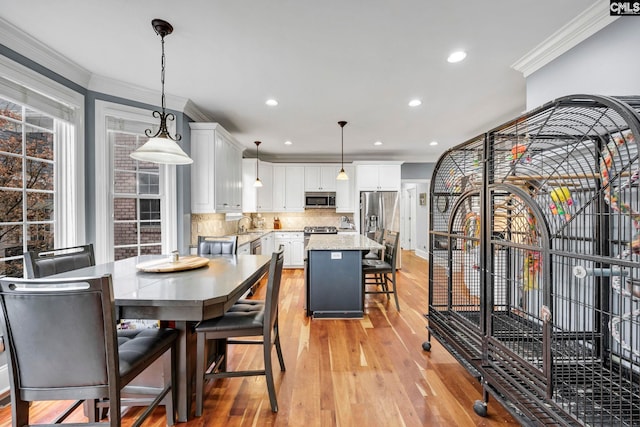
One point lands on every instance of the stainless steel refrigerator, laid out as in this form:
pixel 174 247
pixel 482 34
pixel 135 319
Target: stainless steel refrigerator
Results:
pixel 380 210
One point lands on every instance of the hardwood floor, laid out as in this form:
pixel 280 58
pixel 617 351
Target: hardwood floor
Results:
pixel 365 372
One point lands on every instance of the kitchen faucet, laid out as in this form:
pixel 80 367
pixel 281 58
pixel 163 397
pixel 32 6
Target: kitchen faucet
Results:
pixel 241 227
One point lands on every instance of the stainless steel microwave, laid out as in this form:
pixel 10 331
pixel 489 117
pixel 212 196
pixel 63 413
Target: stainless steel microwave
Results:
pixel 317 200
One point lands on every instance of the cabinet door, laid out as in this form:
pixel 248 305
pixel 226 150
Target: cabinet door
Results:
pixel 234 177
pixel 265 193
pixel 297 253
pixel 345 193
pixel 312 178
pixel 202 171
pixel 328 176
pixel 294 189
pixel 249 192
pixel 367 176
pixel 389 177
pixel 279 188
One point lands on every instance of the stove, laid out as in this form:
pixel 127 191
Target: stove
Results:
pixel 322 229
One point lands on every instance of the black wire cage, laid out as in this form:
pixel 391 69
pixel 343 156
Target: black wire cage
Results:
pixel 534 250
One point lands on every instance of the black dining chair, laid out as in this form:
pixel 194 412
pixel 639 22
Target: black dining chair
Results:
pixel 62 345
pixel 381 273
pixel 53 261
pixel 246 318
pixel 217 245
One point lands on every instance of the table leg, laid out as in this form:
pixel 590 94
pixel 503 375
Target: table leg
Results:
pixel 186 369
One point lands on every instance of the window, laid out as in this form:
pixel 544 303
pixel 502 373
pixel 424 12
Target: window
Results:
pixel 39 155
pixel 135 201
pixel 136 197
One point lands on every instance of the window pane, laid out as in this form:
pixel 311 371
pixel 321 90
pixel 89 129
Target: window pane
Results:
pixel 124 183
pixel 121 158
pixel 122 253
pixel 12 268
pixel 149 183
pixel 9 109
pixel 39 207
pixel 10 137
pixel 38 119
pixel 11 202
pixel 10 240
pixel 40 237
pixel 125 233
pixel 150 234
pixel 151 250
pixel 39 175
pixel 10 171
pixel 125 209
pixel 39 144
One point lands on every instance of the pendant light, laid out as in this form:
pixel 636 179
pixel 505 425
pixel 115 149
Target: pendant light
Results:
pixel 162 147
pixel 342 176
pixel 257 182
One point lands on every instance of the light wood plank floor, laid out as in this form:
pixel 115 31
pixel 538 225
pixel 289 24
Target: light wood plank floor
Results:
pixel 366 372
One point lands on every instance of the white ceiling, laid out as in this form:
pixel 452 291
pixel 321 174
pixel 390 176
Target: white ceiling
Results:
pixel 324 61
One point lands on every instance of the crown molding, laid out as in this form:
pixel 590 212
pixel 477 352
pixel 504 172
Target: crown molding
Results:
pixel 121 89
pixel 589 22
pixel 192 111
pixel 38 52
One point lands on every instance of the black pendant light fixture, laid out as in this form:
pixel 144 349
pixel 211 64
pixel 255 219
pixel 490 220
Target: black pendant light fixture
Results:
pixel 342 176
pixel 257 182
pixel 161 146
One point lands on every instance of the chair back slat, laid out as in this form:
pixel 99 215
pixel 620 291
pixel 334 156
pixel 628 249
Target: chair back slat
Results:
pixel 49 262
pixel 273 291
pixel 390 243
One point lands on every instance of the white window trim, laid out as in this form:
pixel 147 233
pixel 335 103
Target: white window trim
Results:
pixel 104 178
pixel 69 221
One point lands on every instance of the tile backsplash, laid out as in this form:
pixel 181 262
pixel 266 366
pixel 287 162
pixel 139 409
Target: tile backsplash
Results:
pixel 216 225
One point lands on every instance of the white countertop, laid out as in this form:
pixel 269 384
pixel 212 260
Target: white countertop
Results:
pixel 345 242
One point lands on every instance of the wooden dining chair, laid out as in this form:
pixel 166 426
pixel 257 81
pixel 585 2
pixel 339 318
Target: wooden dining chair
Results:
pixel 381 274
pixel 62 345
pixel 227 245
pixel 53 261
pixel 246 318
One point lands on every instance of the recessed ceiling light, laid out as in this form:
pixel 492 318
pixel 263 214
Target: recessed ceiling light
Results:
pixel 271 102
pixel 288 143
pixel 415 103
pixel 457 56
pixel 377 143
pixel 433 143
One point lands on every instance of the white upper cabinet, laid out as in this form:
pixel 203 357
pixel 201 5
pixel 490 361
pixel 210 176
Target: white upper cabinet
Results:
pixel 378 177
pixel 345 192
pixel 216 172
pixel 288 188
pixel 257 199
pixel 320 178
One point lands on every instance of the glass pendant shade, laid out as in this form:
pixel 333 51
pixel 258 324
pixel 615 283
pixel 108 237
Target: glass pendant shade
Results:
pixel 342 175
pixel 161 147
pixel 162 150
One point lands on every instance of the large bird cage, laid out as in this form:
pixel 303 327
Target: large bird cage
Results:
pixel 534 250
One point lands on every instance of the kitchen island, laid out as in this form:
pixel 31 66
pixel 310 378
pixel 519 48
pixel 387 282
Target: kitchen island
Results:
pixel 334 275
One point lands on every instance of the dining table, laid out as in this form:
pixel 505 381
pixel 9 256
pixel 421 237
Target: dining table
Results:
pixel 181 298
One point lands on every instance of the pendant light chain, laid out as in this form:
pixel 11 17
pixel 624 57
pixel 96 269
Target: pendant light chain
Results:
pixel 342 175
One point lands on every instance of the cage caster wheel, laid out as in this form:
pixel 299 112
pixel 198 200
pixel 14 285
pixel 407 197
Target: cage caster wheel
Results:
pixel 480 408
pixel 426 346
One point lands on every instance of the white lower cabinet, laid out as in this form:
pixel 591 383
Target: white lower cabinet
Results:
pixel 293 242
pixel 266 242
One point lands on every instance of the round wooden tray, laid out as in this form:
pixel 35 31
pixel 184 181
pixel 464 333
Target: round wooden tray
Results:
pixel 189 262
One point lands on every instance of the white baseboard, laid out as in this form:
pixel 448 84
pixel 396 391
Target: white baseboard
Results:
pixel 422 254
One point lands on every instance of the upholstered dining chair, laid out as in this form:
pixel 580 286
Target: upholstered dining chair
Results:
pixel 62 345
pixel 382 273
pixel 217 245
pixel 53 261
pixel 246 318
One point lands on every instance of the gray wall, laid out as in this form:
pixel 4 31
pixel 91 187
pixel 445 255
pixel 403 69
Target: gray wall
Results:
pixel 606 63
pixel 416 170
